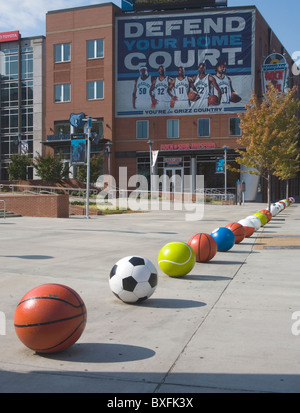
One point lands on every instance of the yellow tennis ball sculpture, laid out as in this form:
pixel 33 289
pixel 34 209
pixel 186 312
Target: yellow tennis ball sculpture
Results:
pixel 262 217
pixel 176 259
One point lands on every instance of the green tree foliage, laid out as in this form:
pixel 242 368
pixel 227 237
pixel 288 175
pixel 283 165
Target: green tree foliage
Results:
pixel 270 133
pixel 96 169
pixel 17 169
pixel 51 168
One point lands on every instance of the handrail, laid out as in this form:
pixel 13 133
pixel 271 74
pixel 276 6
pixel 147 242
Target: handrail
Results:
pixel 48 189
pixel 4 210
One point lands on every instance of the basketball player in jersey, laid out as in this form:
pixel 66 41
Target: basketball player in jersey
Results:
pixel 160 90
pixel 180 87
pixel 141 98
pixel 204 83
pixel 225 84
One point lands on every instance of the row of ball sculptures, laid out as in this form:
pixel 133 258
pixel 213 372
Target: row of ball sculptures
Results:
pixel 52 317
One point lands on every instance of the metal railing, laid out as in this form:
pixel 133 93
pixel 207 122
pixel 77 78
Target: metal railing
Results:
pixel 217 193
pixel 80 192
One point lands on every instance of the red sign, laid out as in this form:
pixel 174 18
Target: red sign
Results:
pixel 10 36
pixel 187 146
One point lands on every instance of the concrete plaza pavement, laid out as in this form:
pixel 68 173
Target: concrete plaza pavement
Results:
pixel 225 327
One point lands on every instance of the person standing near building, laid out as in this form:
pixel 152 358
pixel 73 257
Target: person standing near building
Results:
pixel 180 87
pixel 204 83
pixel 141 98
pixel 225 84
pixel 160 90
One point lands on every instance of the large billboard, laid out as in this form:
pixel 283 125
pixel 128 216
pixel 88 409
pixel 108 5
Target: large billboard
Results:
pixel 184 63
pixel 138 5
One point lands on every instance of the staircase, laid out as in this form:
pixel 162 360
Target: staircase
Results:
pixel 8 214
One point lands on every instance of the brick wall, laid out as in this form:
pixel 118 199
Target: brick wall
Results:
pixel 80 210
pixel 52 206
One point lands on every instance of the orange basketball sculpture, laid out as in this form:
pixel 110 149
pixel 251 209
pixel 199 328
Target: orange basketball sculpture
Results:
pixel 204 245
pixel 50 318
pixel 267 214
pixel 238 230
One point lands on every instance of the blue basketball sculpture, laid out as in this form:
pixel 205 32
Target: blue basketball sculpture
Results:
pixel 224 237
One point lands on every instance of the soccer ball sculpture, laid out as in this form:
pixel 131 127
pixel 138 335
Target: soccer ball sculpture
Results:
pixel 133 279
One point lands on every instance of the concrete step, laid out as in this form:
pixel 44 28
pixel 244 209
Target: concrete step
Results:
pixel 8 214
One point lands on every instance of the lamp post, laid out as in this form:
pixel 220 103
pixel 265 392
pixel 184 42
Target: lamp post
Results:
pixel 225 172
pixel 89 121
pixel 151 167
pixel 88 167
pixel 108 146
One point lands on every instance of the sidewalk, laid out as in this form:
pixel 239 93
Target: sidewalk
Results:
pixel 225 327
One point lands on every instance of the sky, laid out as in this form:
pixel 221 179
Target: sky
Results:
pixel 28 16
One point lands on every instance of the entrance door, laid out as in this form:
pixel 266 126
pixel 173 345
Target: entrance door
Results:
pixel 173 180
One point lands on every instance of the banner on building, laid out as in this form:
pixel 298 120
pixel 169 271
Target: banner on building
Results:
pixel 154 157
pixel 24 147
pixel 184 63
pixel 220 166
pixel 78 149
pixel 9 36
pixel 275 71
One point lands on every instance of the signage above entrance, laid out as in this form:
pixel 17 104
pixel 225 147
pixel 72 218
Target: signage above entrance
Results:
pixel 10 36
pixel 187 146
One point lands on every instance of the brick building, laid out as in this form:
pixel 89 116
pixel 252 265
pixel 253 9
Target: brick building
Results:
pixel 104 62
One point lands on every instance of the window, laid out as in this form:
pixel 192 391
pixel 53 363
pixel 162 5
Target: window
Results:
pixel 62 93
pixel 234 127
pixel 142 129
pixel 27 66
pixel 11 67
pixel 173 128
pixel 203 127
pixel 9 121
pixel 27 92
pixel 61 128
pixel 95 49
pixel 95 90
pixel 27 119
pixel 62 52
pixel 9 94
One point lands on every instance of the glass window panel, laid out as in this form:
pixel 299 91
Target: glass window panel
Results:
pixel 99 44
pixel 67 52
pixel 203 127
pixel 90 49
pixel 234 127
pixel 95 48
pixel 90 90
pixel 57 53
pixel 172 128
pixel 67 93
pixel 99 88
pixel 57 93
pixel 142 129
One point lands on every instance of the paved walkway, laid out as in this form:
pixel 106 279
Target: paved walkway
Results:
pixel 225 327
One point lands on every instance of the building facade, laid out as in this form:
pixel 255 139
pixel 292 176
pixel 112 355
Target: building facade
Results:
pixel 22 106
pixel 146 80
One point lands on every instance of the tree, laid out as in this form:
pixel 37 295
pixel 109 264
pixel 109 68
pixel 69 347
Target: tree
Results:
pixel 17 169
pixel 96 168
pixel 51 168
pixel 270 132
